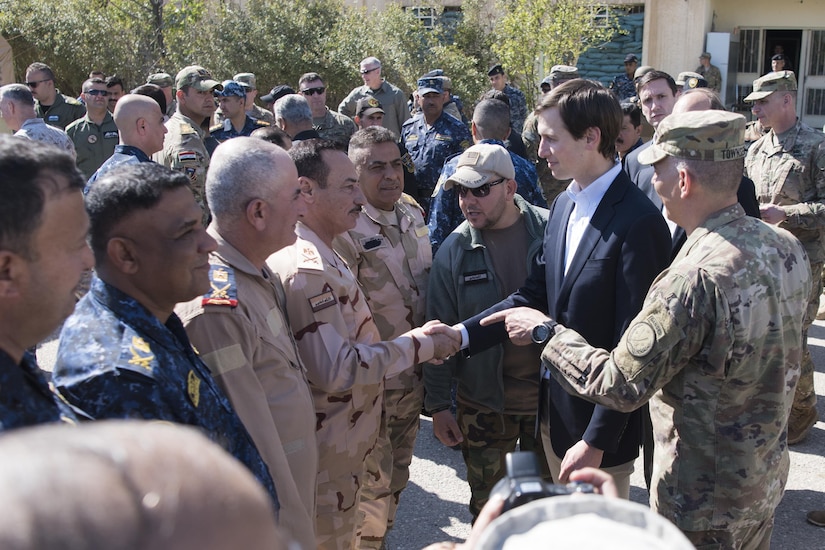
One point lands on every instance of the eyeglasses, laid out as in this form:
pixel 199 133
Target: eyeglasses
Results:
pixel 478 192
pixel 368 71
pixel 312 91
pixel 34 84
pixel 103 93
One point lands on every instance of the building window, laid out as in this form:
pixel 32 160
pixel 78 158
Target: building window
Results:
pixel 817 64
pixel 427 16
pixel 815 102
pixel 749 50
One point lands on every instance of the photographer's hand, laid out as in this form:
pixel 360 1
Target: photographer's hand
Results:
pixel 601 481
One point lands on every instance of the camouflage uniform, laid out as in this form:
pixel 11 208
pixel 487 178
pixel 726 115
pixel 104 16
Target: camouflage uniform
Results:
pixel 26 399
pixel 389 253
pixel 259 113
pixel 623 87
pixel 62 112
pixel 518 107
pixel 716 349
pixel 242 334
pixel 445 214
pixel 550 186
pixel 346 365
pixel 117 360
pixel 225 130
pixel 791 173
pixel 462 284
pixel 37 130
pixel 184 151
pixel 94 143
pixel 430 146
pixel 392 99
pixel 713 75
pixel 335 126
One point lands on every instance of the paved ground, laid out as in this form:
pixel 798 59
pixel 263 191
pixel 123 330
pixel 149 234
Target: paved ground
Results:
pixel 433 507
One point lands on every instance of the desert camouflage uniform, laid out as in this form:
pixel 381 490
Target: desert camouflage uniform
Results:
pixel 716 349
pixel 184 151
pixel 117 360
pixel 242 334
pixel 389 253
pixel 335 126
pixel 62 112
pixel 346 365
pixel 791 173
pixel 550 186
pixel 26 398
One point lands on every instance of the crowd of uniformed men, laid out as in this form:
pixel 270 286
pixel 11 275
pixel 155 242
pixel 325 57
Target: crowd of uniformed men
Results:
pixel 298 283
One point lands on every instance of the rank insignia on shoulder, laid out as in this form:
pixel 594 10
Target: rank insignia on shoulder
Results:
pixel 443 137
pixel 142 355
pixel 186 128
pixel 372 242
pixel 324 300
pixel 224 291
pixel 422 231
pixel 193 388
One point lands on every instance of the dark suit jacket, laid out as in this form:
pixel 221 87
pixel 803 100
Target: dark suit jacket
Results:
pixel 642 174
pixel 626 245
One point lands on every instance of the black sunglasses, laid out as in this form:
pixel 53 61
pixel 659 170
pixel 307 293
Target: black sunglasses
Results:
pixel 310 91
pixel 479 192
pixel 104 93
pixel 34 84
pixel 367 71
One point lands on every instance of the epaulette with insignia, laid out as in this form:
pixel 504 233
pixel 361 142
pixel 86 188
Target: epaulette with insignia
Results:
pixel 136 354
pixel 224 291
pixel 308 256
pixel 215 128
pixel 71 100
pixel 262 123
pixel 186 128
pixel 409 199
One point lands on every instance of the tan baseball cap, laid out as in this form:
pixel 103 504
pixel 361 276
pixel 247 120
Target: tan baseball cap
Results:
pixel 698 135
pixel 780 81
pixel 197 77
pixel 482 163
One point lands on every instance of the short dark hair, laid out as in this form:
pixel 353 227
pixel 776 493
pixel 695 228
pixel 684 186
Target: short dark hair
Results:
pixel 87 84
pixel 496 94
pixel 114 80
pixel 650 76
pixel 492 119
pixel 123 190
pixel 155 92
pixel 37 66
pixel 307 157
pixel 631 109
pixel 28 168
pixel 309 77
pixel 584 104
pixel 272 134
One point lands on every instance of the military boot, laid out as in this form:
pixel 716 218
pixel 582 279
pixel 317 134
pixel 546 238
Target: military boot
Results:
pixel 800 423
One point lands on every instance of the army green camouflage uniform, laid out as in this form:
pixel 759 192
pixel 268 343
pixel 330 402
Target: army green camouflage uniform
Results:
pixel 93 143
pixel 346 366
pixel 184 151
pixel 241 332
pixel 550 186
pixel 62 112
pixel 790 172
pixel 716 349
pixel 389 253
pixel 259 113
pixel 335 126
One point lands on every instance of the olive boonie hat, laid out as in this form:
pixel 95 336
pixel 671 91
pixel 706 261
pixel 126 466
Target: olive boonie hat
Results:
pixel 480 164
pixel 367 106
pixel 248 79
pixel 164 80
pixel 197 77
pixel 698 135
pixel 780 81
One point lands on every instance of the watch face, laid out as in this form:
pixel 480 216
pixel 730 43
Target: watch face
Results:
pixel 541 333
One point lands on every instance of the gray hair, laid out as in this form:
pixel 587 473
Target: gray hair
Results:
pixel 293 108
pixel 240 171
pixel 17 93
pixel 371 61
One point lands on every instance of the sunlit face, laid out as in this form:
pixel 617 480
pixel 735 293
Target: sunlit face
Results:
pixel 341 200
pixel 316 95
pixel 666 183
pixel 486 212
pixel 381 174
pixel 564 154
pixel 197 105
pixel 777 65
pixel 232 106
pixel 287 204
pixel 371 75
pixel 95 102
pixel 432 104
pixel 374 119
pixel 657 101
pixel 41 86
pixel 769 110
pixel 154 127
pixel 498 81
pixel 115 93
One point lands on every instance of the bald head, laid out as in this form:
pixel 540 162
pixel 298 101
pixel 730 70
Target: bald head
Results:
pixel 698 99
pixel 127 485
pixel 139 122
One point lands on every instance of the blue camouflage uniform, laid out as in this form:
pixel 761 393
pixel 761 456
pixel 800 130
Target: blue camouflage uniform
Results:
pixel 430 147
pixel 518 107
pixel 445 214
pixel 124 154
pixel 623 87
pixel 117 360
pixel 225 130
pixel 25 397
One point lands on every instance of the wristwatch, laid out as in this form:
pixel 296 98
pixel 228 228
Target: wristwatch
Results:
pixel 543 332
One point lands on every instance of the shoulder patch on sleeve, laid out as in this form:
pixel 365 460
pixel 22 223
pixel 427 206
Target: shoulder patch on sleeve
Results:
pixel 309 258
pixel 223 291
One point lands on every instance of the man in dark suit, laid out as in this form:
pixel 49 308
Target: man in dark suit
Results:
pixel 604 244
